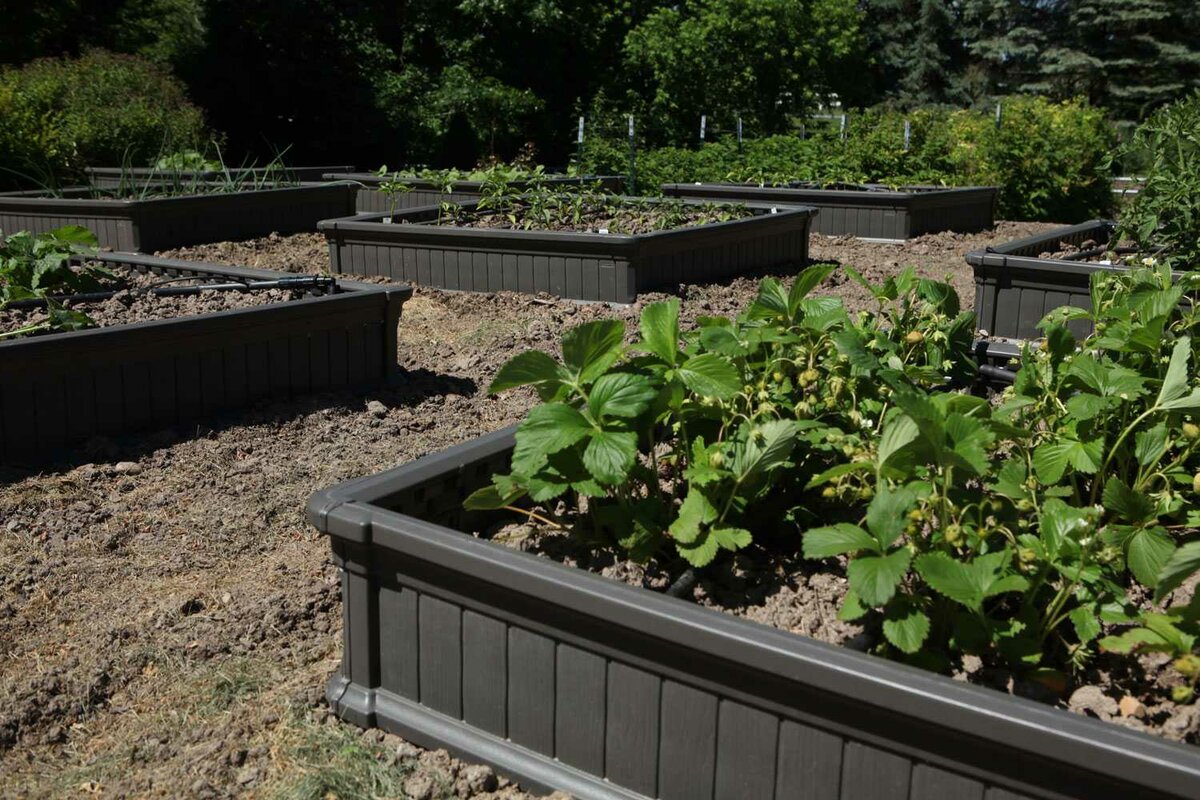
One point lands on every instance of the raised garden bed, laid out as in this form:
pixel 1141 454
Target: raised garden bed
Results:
pixel 570 681
pixel 60 389
pixel 425 193
pixel 868 211
pixel 161 223
pixel 583 266
pixel 115 177
pixel 1016 284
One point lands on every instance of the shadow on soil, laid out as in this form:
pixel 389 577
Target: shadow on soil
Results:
pixel 408 388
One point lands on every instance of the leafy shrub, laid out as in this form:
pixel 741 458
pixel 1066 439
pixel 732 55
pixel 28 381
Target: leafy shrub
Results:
pixel 1027 521
pixel 58 115
pixel 1166 211
pixel 875 146
pixel 1050 160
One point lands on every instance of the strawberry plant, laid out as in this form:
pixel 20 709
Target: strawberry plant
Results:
pixel 38 267
pixel 1013 530
pixel 691 441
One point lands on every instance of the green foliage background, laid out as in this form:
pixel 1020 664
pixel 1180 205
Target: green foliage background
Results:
pixel 58 115
pixel 1050 159
pixel 431 82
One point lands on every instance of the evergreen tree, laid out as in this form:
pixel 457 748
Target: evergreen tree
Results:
pixel 1005 41
pixel 919 50
pixel 1130 56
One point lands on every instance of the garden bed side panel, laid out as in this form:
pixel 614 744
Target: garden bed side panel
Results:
pixel 164 223
pixel 567 680
pixel 965 210
pixel 116 177
pixel 1014 289
pixel 371 200
pixel 114 223
pixel 60 389
pixel 570 265
pixel 886 216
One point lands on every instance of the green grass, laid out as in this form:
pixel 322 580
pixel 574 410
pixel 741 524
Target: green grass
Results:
pixel 321 761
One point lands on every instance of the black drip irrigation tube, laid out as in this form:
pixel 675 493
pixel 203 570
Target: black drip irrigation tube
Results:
pixel 297 283
pixel 998 373
pixel 683 583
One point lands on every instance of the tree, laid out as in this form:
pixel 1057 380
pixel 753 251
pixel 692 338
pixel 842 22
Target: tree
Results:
pixel 918 49
pixel 1005 41
pixel 1130 56
pixel 724 57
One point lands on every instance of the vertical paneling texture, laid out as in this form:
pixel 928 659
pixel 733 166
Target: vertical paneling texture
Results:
pixel 639 727
pixel 99 393
pixel 581 276
pixel 158 225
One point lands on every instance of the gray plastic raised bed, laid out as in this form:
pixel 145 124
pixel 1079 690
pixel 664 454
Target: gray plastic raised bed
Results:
pixel 1014 289
pixel 116 177
pixel 60 389
pixel 566 680
pixel 580 266
pixel 370 199
pixel 166 222
pixel 868 211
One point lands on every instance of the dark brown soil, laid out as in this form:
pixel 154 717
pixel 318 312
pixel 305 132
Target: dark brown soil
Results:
pixel 167 615
pixel 134 304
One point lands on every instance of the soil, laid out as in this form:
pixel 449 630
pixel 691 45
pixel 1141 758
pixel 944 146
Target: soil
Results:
pixel 777 589
pixel 168 617
pixel 609 217
pixel 1090 251
pixel 134 304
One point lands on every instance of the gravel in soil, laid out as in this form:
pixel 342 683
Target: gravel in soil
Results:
pixel 134 303
pixel 168 617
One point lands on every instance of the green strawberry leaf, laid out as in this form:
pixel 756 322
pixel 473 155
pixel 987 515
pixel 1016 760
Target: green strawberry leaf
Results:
pixel 874 578
pixel 620 394
pixel 591 348
pixel 660 330
pixel 834 540
pixel 905 626
pixel 610 455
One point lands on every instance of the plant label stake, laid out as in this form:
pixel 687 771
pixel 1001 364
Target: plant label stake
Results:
pixel 703 122
pixel 632 159
pixel 579 145
pixel 739 135
pixel 842 127
pixel 999 114
pixel 907 134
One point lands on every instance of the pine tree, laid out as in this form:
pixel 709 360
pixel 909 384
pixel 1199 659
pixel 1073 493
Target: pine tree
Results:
pixel 919 50
pixel 1005 40
pixel 1130 56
